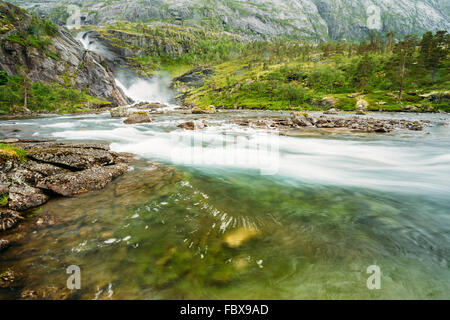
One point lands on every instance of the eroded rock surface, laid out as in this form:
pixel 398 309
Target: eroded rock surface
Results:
pixel 61 168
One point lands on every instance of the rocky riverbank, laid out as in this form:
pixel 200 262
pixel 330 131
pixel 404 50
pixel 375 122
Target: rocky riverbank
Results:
pixel 34 171
pixel 356 123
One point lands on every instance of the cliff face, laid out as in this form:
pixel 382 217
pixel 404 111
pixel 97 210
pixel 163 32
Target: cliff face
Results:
pixel 50 54
pixel 317 19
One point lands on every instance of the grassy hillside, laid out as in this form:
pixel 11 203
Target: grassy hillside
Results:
pixel 293 75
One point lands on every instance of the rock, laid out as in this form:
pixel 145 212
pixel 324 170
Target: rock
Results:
pixel 4 244
pixel 300 120
pixel 195 78
pixel 205 110
pixel 360 112
pixel 8 218
pixel 436 95
pixel 119 112
pixel 193 125
pixel 72 158
pixel 354 123
pixel 74 183
pixel 138 117
pixel 332 111
pixel 24 197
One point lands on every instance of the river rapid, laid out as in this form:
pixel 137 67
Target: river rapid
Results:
pixel 238 213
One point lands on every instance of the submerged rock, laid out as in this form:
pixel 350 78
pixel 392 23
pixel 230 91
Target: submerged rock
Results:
pixel 138 117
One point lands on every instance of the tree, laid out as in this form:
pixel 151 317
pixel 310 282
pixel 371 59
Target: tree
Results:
pixel 364 71
pixel 26 81
pixel 390 35
pixel 402 61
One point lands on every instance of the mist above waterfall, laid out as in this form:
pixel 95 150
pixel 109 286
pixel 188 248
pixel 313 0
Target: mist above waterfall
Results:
pixel 155 89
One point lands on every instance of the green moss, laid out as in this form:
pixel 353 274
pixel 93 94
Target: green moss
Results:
pixel 11 151
pixel 4 200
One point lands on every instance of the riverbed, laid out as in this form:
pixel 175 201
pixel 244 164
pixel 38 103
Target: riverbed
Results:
pixel 231 212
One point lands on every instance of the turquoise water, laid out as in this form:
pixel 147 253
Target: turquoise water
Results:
pixel 176 230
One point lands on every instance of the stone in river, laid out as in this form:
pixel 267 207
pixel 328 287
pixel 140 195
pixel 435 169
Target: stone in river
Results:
pixel 138 117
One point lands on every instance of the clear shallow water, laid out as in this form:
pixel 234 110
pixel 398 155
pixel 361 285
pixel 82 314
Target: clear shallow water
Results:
pixel 337 204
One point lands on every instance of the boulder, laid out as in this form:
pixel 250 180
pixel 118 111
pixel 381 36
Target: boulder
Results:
pixel 4 244
pixel 138 117
pixel 119 112
pixel 74 183
pixel 193 125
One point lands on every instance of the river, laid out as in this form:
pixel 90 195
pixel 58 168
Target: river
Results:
pixel 239 213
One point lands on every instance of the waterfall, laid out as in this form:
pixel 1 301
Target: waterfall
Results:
pixel 155 89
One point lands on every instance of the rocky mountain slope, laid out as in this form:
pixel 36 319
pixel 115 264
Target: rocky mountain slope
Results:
pixel 317 19
pixel 44 52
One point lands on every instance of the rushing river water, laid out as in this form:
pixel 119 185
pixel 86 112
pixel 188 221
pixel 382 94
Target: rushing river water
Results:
pixel 304 218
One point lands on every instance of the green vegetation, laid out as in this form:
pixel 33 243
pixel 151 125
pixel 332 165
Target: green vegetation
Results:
pixel 29 31
pixel 11 151
pixel 288 74
pixel 4 200
pixel 20 94
pixel 293 75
